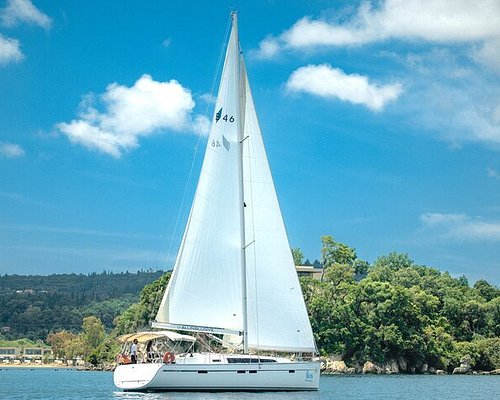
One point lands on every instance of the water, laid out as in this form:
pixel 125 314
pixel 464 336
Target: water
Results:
pixel 62 384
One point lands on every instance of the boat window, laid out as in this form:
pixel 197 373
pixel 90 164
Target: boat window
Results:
pixel 253 360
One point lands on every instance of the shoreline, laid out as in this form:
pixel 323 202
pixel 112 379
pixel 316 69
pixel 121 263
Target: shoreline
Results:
pixel 38 366
pixel 57 367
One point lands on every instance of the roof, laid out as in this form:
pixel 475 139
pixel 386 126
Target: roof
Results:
pixel 143 337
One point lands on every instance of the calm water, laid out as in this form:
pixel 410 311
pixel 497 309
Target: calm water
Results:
pixel 70 384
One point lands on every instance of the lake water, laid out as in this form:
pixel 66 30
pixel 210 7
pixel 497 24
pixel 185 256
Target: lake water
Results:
pixel 28 384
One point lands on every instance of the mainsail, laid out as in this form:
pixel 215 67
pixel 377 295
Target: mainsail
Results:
pixel 205 287
pixel 234 271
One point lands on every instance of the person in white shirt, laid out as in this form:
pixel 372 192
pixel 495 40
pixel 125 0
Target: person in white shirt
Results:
pixel 133 352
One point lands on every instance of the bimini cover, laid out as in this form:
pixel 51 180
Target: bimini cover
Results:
pixel 143 337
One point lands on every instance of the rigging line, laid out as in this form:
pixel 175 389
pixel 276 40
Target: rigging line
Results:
pixel 249 147
pixel 200 134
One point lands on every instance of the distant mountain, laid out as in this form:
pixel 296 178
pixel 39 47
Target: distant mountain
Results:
pixel 33 306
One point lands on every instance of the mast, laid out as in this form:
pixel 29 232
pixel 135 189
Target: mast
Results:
pixel 234 17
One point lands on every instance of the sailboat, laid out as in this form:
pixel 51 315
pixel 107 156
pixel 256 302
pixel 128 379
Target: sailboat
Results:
pixel 234 277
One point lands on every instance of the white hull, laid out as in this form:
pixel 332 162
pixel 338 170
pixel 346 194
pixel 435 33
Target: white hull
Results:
pixel 218 377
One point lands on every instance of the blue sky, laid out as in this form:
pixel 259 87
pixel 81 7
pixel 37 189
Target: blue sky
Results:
pixel 381 121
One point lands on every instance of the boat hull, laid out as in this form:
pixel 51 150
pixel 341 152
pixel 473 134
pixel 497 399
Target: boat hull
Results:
pixel 295 376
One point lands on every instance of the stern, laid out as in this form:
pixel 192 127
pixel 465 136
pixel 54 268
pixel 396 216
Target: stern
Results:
pixel 135 376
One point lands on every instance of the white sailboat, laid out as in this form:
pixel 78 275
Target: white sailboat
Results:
pixel 234 274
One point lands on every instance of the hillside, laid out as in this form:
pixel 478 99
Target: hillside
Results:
pixel 35 305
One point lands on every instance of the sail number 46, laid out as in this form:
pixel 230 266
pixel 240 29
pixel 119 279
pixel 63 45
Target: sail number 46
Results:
pixel 225 118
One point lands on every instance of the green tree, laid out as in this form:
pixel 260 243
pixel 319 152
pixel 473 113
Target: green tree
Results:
pixel 361 267
pixel 493 317
pixel 298 256
pixel 401 311
pixel 333 252
pixel 60 342
pixel 140 314
pixel 487 291
pixel 338 273
pixel 93 337
pixel 337 259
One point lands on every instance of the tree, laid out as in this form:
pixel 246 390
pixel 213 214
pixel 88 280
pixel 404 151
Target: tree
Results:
pixel 60 342
pixel 333 252
pixel 337 259
pixel 338 273
pixel 140 314
pixel 395 261
pixel 92 338
pixel 486 290
pixel 360 267
pixel 298 256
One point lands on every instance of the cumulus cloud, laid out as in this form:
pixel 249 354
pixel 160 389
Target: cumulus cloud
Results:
pixel 268 48
pixel 130 113
pixel 10 50
pixel 461 227
pixel 446 95
pixel 18 11
pixel 10 150
pixel 326 81
pixel 457 21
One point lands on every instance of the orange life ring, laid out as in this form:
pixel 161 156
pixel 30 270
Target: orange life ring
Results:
pixel 122 359
pixel 168 357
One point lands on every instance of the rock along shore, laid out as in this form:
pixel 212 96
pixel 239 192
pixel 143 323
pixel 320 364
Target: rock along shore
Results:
pixel 332 366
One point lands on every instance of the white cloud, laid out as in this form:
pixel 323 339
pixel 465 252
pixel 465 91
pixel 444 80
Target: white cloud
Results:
pixel 435 219
pixel 489 54
pixel 131 112
pixel 166 42
pixel 18 11
pixel 20 198
pixel 446 95
pixel 461 227
pixel 268 48
pixel 452 103
pixel 11 150
pixel 10 50
pixel 493 173
pixel 457 21
pixel 208 98
pixel 74 231
pixel 326 81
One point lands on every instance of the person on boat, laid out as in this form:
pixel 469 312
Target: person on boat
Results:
pixel 149 351
pixel 133 352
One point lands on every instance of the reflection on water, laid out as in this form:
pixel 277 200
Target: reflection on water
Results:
pixel 218 396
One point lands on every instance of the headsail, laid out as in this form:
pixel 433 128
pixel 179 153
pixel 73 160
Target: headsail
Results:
pixel 277 316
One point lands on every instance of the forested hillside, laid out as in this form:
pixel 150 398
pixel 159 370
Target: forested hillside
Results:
pixel 34 306
pixel 395 313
